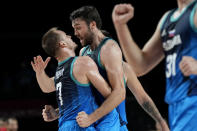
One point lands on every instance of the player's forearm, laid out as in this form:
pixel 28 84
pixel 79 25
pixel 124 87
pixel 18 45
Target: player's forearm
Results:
pixel 148 105
pixel 115 98
pixel 131 51
pixel 46 84
pixel 141 96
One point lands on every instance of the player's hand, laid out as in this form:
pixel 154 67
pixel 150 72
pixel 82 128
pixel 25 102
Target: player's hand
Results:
pixel 83 119
pixel 122 13
pixel 164 126
pixel 39 65
pixel 49 113
pixel 188 66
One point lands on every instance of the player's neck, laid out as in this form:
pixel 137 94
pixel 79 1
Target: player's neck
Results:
pixel 183 3
pixel 98 37
pixel 65 55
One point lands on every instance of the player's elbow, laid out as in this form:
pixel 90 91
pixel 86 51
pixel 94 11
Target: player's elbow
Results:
pixel 140 71
pixel 47 90
pixel 121 93
pixel 108 93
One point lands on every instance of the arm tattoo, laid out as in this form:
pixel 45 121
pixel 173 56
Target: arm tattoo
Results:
pixel 151 109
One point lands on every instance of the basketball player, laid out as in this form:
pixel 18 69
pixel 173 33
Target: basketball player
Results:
pixel 86 22
pixel 72 81
pixel 107 55
pixel 175 40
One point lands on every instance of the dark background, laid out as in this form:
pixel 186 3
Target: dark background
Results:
pixel 22 25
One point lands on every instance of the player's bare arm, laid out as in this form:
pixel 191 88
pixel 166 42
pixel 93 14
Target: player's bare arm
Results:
pixel 142 97
pixel 85 70
pixel 46 84
pixel 142 60
pixel 111 58
pixel 90 69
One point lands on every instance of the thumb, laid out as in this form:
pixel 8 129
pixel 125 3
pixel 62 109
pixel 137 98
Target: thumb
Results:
pixel 47 107
pixel 81 113
pixel 47 61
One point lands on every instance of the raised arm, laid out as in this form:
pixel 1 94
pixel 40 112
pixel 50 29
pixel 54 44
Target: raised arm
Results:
pixel 143 60
pixel 142 97
pixel 46 84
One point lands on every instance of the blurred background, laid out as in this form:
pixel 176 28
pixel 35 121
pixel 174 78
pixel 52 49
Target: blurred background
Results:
pixel 22 25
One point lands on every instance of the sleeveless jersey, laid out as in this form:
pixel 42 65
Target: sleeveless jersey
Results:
pixel 179 38
pixel 72 96
pixel 95 55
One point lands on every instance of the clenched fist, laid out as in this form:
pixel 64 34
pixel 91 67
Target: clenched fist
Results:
pixel 122 13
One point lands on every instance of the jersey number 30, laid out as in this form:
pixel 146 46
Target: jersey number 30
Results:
pixel 171 65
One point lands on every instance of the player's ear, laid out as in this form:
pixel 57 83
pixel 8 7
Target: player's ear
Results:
pixel 92 25
pixel 62 44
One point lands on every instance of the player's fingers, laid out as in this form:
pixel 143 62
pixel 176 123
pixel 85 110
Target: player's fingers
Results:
pixel 186 73
pixel 40 60
pixel 116 8
pixel 81 113
pixel 80 121
pixel 183 69
pixel 78 117
pixel 47 61
pixel 183 65
pixel 33 65
pixel 35 60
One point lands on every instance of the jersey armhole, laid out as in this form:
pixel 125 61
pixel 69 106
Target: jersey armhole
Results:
pixel 83 51
pixel 192 24
pixel 163 20
pixel 72 77
pixel 99 54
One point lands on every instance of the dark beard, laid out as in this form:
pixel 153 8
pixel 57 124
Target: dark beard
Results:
pixel 88 41
pixel 89 38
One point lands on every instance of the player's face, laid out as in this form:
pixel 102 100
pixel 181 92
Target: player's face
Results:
pixel 67 38
pixel 82 31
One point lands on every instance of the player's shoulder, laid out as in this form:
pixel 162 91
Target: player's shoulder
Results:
pixel 111 42
pixel 84 62
pixel 82 51
pixel 163 18
pixel 111 48
pixel 110 45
